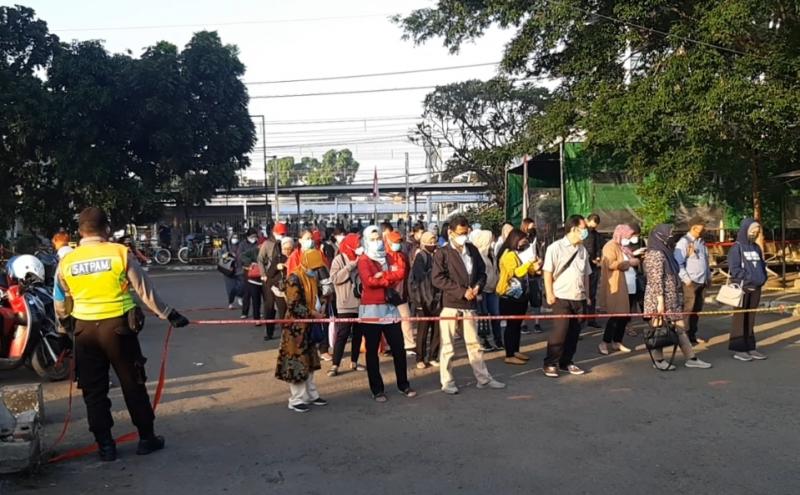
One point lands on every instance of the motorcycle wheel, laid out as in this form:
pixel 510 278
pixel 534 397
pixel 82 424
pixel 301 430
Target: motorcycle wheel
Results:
pixel 54 372
pixel 183 255
pixel 162 256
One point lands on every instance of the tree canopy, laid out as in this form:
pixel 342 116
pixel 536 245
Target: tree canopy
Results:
pixel 337 167
pixel 114 131
pixel 692 98
pixel 481 121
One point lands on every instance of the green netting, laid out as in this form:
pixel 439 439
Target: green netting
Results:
pixel 514 199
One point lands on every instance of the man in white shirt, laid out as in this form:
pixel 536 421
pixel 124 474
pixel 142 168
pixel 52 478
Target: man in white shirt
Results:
pixel 566 280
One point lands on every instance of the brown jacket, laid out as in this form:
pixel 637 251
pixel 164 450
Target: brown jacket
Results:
pixel 612 292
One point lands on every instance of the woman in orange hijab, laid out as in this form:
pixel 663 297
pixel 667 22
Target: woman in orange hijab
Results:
pixel 297 355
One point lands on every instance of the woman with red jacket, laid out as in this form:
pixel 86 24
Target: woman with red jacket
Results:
pixel 377 280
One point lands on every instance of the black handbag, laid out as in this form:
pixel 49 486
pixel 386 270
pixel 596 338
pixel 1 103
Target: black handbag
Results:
pixel 659 337
pixel 226 266
pixel 393 297
pixel 317 333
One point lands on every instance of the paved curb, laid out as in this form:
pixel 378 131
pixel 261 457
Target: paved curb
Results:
pixel 182 268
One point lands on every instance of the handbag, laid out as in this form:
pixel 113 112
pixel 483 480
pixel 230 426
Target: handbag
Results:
pixel 659 337
pixel 316 334
pixel 226 266
pixel 393 297
pixel 254 273
pixel 731 295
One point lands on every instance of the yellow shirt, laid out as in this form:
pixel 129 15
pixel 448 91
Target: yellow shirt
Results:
pixel 96 279
pixel 511 266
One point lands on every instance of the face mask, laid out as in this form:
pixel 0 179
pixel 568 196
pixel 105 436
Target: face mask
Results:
pixel 234 241
pixel 430 249
pixel 252 240
pixel 339 239
pixel 626 242
pixel 584 234
pixel 307 244
pixel 395 247
pixel 635 240
pixel 532 233
pixel 459 240
pixel 523 247
pixel 752 237
pixel 278 237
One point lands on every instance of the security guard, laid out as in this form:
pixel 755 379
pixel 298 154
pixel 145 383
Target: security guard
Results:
pixel 92 286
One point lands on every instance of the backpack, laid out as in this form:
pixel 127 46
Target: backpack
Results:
pixel 358 288
pixel 422 292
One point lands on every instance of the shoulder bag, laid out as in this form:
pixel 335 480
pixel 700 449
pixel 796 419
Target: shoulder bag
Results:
pixel 732 294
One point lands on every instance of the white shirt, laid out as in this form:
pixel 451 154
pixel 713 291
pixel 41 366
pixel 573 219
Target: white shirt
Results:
pixel 465 257
pixel 630 277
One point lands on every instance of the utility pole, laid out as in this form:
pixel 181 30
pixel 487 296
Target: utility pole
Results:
pixel 267 209
pixel 407 195
pixel 277 199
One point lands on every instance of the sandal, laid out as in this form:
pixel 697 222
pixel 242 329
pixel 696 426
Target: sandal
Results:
pixel 381 397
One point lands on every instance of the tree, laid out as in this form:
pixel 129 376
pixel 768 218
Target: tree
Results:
pixel 285 168
pixel 337 167
pixel 114 131
pixel 25 48
pixel 481 121
pixel 692 97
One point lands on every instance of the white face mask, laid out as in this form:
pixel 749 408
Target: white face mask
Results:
pixel 278 237
pixel 252 240
pixel 307 244
pixel 339 239
pixel 626 242
pixel 396 247
pixel 635 240
pixel 460 240
pixel 234 241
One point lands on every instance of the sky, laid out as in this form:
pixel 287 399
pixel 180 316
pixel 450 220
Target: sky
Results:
pixel 280 40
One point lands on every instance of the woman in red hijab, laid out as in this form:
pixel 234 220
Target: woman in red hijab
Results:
pixel 344 272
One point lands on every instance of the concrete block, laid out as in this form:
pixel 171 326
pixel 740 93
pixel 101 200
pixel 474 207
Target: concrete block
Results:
pixel 21 398
pixel 19 455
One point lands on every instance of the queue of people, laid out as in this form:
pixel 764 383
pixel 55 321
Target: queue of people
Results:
pixel 375 279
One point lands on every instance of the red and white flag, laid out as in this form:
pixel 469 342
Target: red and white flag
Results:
pixel 375 192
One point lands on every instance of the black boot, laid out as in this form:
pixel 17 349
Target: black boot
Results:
pixel 106 447
pixel 150 445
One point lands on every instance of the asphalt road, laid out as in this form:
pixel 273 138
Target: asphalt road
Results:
pixel 621 428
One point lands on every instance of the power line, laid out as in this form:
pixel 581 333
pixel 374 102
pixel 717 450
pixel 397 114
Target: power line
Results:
pixel 232 23
pixel 351 92
pixel 335 120
pixel 375 74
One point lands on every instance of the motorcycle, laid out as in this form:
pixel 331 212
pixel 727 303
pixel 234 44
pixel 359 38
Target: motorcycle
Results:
pixel 29 332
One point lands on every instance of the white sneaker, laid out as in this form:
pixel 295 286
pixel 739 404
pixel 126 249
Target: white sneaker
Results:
pixel 434 363
pixel 239 301
pixel 453 390
pixel 492 384
pixel 621 348
pixel 757 355
pixel 742 356
pixel 421 366
pixel 697 363
pixel 231 306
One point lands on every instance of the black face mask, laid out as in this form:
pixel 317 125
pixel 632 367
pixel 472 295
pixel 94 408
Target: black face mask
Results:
pixel 531 234
pixel 430 249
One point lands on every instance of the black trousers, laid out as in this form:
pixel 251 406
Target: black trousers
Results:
pixel 394 336
pixel 615 327
pixel 594 280
pixel 343 332
pixel 269 308
pixel 562 342
pixel 98 345
pixel 743 337
pixel 427 331
pixel 511 338
pixel 693 298
pixel 251 295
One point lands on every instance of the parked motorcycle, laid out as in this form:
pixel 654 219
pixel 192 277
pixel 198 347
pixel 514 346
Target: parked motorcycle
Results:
pixel 29 330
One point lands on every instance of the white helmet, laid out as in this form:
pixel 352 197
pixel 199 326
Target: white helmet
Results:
pixel 25 266
pixel 63 251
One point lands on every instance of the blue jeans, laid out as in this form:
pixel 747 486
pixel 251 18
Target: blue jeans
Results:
pixel 490 305
pixel 232 288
